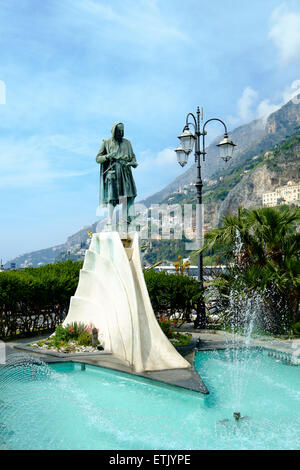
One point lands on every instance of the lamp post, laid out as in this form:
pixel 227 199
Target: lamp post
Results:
pixel 188 139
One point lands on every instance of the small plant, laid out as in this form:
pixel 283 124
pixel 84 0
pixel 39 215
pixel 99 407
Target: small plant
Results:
pixel 62 334
pixel 72 335
pixel 181 339
pixel 91 327
pixel 181 266
pixel 166 326
pixel 76 329
pixel 296 328
pixel 85 339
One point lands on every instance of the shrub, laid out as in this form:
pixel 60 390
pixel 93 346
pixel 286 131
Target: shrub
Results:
pixel 166 326
pixel 85 339
pixel 62 334
pixel 76 329
pixel 296 328
pixel 36 299
pixel 73 331
pixel 173 294
pixel 181 339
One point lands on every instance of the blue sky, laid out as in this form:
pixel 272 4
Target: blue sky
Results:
pixel 73 67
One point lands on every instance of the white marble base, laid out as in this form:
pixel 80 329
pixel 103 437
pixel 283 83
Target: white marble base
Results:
pixel 112 295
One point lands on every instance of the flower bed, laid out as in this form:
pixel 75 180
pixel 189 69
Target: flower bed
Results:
pixel 73 338
pixel 177 339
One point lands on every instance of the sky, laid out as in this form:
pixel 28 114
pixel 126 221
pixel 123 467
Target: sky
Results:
pixel 70 68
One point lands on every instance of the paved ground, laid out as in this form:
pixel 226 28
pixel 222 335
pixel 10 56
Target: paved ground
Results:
pixel 218 339
pixel 210 339
pixel 186 378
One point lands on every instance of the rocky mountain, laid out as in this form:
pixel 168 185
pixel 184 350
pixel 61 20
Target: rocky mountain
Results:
pixel 251 139
pixel 74 244
pixel 260 163
pixel 246 137
pixel 277 169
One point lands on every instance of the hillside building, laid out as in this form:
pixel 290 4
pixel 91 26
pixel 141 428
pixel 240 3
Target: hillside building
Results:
pixel 287 194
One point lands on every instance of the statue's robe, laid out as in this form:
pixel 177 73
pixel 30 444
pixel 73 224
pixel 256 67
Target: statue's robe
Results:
pixel 116 178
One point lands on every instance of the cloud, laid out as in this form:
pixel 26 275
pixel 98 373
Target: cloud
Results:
pixel 285 34
pixel 164 158
pixel 245 104
pixel 245 107
pixel 291 92
pixel 265 108
pixel 249 107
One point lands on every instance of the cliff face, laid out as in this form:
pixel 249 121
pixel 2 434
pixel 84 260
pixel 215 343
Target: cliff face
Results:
pixel 245 137
pixel 253 138
pixel 273 173
pixel 284 120
pixel 248 192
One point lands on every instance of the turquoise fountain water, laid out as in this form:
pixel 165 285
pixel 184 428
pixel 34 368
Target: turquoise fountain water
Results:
pixel 71 406
pixel 61 406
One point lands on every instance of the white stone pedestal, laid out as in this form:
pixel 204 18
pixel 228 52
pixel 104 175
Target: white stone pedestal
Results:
pixel 112 295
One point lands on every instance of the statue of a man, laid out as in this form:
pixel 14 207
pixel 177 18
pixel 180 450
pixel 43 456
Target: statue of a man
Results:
pixel 116 158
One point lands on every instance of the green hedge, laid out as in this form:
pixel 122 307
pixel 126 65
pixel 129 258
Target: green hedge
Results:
pixel 173 293
pixel 34 300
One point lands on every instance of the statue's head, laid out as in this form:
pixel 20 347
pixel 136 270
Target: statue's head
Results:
pixel 118 131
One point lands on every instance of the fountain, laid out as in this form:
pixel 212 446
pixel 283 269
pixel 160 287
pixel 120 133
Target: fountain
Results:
pixel 75 406
pixel 17 370
pixel 244 312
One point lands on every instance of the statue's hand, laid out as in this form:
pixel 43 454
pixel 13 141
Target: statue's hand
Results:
pixel 111 156
pixel 133 164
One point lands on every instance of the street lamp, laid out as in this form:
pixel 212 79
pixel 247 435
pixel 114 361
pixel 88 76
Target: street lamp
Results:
pixel 187 140
pixel 182 156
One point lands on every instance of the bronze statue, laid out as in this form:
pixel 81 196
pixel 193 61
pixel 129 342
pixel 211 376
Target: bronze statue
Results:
pixel 116 158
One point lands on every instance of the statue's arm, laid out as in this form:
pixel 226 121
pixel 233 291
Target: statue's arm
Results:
pixel 132 158
pixel 102 154
pixel 133 162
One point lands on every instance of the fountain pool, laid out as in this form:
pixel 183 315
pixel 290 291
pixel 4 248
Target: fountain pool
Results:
pixel 61 406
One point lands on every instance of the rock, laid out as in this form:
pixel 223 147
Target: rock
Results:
pixel 94 337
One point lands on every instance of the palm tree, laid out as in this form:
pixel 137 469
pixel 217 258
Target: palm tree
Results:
pixel 264 245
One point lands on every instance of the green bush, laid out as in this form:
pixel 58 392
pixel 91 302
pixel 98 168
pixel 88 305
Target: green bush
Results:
pixel 166 326
pixel 76 329
pixel 172 294
pixel 36 299
pixel 296 328
pixel 85 339
pixel 73 331
pixel 62 334
pixel 181 339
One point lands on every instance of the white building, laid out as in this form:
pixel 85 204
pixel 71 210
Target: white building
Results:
pixel 283 195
